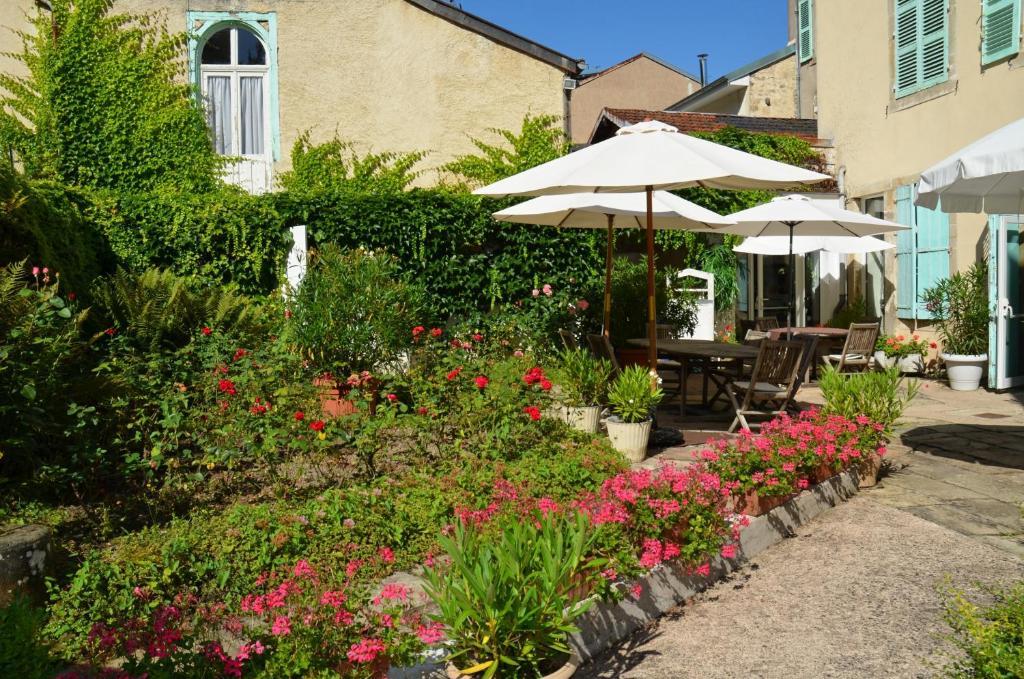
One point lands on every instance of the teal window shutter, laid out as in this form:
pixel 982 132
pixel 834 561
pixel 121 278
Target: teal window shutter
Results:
pixel 906 262
pixel 922 45
pixel 931 232
pixel 1000 29
pixel 805 12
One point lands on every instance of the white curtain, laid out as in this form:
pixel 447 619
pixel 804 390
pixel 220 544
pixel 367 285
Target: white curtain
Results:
pixel 218 112
pixel 251 99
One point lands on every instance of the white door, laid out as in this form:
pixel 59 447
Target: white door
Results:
pixel 1009 321
pixel 235 79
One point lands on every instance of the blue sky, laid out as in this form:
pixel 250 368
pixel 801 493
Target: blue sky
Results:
pixel 733 32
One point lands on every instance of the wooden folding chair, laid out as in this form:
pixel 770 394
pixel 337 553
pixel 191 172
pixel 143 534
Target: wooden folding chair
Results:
pixel 857 349
pixel 568 340
pixel 601 347
pixel 810 343
pixel 770 387
pixel 767 323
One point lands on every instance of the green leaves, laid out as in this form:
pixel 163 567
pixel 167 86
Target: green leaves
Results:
pixel 960 303
pixel 634 394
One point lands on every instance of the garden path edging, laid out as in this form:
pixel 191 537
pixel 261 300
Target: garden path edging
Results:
pixel 668 585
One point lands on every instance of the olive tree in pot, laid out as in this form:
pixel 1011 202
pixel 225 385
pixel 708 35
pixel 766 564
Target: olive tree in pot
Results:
pixel 633 396
pixel 960 305
pixel 507 598
pixel 583 383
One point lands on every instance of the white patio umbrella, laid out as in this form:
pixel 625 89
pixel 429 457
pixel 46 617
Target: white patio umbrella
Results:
pixel 986 176
pixel 783 215
pixel 646 157
pixel 802 245
pixel 611 210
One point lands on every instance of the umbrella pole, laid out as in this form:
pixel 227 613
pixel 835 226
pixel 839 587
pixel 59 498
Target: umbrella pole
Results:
pixel 791 321
pixel 608 279
pixel 652 331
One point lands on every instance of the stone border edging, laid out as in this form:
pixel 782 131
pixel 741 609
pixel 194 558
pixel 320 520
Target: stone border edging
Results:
pixel 666 586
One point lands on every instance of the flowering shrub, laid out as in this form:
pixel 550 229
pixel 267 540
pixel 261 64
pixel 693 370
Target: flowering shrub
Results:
pixel 898 346
pixel 789 453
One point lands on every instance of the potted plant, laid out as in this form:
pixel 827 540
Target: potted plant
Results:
pixel 583 380
pixel 960 305
pixel 633 396
pixel 350 319
pixel 897 350
pixel 505 597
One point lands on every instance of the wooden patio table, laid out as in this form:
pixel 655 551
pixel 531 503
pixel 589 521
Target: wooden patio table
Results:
pixel 823 332
pixel 704 352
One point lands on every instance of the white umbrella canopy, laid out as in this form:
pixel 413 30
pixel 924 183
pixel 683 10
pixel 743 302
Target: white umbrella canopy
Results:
pixel 986 176
pixel 782 216
pixel 802 245
pixel 608 211
pixel 651 155
pixel 629 211
pixel 646 157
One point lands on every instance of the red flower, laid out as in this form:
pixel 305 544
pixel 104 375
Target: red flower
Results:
pixel 392 397
pixel 477 337
pixel 418 330
pixel 421 410
pixel 72 296
pixel 110 331
pixel 239 354
pixel 533 375
pixel 453 374
pixel 933 345
pixel 545 384
pixel 227 387
pixel 435 332
pixel 299 416
pixel 317 425
pixel 206 330
pixel 534 412
pixel 287 314
pixel 481 382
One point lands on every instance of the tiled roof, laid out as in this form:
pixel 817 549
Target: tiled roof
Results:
pixel 804 128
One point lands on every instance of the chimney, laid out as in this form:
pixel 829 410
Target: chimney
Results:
pixel 703 59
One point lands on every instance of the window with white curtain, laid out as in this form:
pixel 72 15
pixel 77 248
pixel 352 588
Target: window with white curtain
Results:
pixel 234 72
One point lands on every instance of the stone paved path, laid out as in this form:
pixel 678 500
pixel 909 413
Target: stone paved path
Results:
pixel 853 595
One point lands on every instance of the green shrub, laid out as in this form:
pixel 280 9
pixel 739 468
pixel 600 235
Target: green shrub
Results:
pixel 506 600
pixel 583 378
pixel 629 302
pixel 336 166
pixel 880 396
pixel 354 311
pixel 990 637
pixel 48 225
pixel 23 653
pixel 634 394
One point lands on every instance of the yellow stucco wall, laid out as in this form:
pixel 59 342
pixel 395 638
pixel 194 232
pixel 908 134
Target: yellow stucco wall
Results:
pixel 382 73
pixel 642 84
pixel 883 142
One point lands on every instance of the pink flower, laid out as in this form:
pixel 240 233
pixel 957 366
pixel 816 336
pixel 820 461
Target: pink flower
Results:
pixel 386 554
pixel 546 505
pixel 704 570
pixel 637 590
pixel 802 484
pixel 609 574
pixel 535 293
pixel 583 305
pixel 547 290
pixel 365 651
pixel 392 397
pixel 481 382
pixel 282 626
pixel 303 569
pixel 35 272
pixel 394 591
pixel 435 332
pixel 518 353
pixel 729 551
pixel 332 599
pixel 430 634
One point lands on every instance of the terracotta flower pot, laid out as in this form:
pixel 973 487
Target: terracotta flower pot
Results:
pixel 563 672
pixel 822 472
pixel 331 402
pixel 868 469
pixel 752 504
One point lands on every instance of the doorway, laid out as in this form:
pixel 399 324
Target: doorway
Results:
pixel 1007 353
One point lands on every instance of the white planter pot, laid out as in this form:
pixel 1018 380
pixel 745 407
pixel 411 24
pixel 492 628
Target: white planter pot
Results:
pixel 585 419
pixel 913 363
pixel 964 372
pixel 630 438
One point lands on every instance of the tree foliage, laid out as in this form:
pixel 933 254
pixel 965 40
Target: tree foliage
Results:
pixel 540 139
pixel 104 104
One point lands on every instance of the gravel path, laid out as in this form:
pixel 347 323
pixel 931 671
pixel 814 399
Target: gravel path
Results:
pixel 854 594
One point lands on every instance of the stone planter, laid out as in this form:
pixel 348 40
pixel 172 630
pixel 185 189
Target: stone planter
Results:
pixel 23 552
pixel 585 419
pixel 563 672
pixel 914 363
pixel 629 438
pixel 964 372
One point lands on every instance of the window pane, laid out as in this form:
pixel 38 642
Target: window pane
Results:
pixel 217 49
pixel 218 112
pixel 250 49
pixel 252 115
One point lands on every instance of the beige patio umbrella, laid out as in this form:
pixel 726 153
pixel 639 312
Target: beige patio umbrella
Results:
pixel 646 157
pixel 610 211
